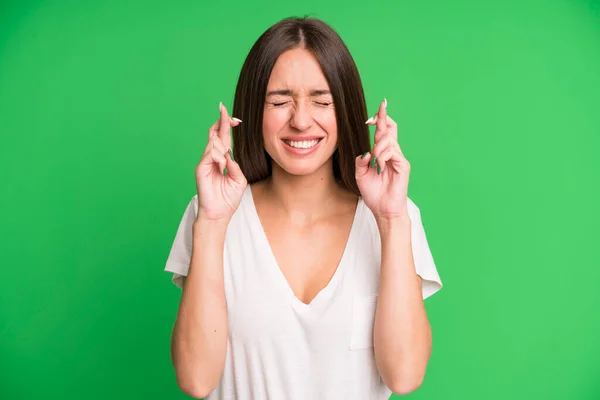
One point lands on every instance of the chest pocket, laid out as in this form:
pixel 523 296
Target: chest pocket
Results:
pixel 363 321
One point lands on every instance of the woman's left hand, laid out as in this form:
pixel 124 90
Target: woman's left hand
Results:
pixel 382 175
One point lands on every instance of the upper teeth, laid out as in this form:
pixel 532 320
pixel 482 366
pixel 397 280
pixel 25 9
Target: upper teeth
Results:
pixel 304 144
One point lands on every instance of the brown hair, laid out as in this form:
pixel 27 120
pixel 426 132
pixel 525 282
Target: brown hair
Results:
pixel 344 83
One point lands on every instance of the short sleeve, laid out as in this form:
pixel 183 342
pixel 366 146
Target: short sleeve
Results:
pixel 178 261
pixel 424 263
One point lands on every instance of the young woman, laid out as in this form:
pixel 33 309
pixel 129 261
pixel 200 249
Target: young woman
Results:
pixel 303 263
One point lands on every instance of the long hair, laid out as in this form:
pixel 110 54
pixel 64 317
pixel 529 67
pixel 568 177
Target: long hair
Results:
pixel 344 82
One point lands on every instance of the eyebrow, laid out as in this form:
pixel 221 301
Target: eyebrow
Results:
pixel 287 92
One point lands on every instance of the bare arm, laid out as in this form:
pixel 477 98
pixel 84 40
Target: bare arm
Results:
pixel 402 332
pixel 199 340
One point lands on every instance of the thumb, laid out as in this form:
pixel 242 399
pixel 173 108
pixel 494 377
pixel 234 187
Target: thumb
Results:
pixel 362 164
pixel 233 169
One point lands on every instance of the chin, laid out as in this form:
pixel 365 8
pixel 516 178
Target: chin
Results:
pixel 306 166
pixel 300 170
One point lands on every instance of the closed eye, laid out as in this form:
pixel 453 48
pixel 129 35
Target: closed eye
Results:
pixel 279 104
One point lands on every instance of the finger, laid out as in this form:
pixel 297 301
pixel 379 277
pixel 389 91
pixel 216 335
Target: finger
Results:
pixel 381 145
pixel 217 144
pixel 226 122
pixel 233 169
pixel 397 146
pixel 394 143
pixel 373 121
pixel 381 123
pixel 214 157
pixel 224 125
pixel 209 146
pixel 362 164
pixel 383 158
pixel 382 115
pixel 391 156
pixel 214 129
pixel 389 138
pixel 392 128
pixel 381 161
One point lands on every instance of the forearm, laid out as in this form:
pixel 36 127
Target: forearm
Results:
pixel 402 333
pixel 199 341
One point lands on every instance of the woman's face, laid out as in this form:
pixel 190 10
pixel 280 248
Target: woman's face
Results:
pixel 299 124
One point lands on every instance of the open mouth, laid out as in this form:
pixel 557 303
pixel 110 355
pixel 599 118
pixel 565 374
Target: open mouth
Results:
pixel 302 144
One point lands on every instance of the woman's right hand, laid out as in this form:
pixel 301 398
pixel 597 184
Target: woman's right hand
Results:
pixel 219 179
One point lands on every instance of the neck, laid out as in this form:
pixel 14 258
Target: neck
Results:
pixel 311 195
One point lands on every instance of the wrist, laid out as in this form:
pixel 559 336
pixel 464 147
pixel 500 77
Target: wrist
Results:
pixel 393 224
pixel 214 227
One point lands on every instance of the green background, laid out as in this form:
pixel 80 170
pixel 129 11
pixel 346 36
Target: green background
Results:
pixel 104 110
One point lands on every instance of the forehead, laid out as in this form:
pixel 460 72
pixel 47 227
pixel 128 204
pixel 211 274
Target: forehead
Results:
pixel 297 69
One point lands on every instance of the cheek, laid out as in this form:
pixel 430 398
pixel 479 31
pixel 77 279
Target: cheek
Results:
pixel 273 122
pixel 328 122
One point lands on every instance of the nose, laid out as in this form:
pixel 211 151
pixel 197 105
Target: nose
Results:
pixel 301 117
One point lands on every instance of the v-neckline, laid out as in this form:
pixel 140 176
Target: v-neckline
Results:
pixel 269 256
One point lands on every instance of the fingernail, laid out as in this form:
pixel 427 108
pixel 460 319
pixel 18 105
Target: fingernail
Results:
pixel 220 106
pixel 364 155
pixel 225 171
pixel 373 161
pixel 231 155
pixel 378 169
pixel 384 102
pixel 371 120
pixel 236 119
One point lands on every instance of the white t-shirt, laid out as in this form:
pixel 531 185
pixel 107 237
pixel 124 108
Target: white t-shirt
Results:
pixel 278 346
